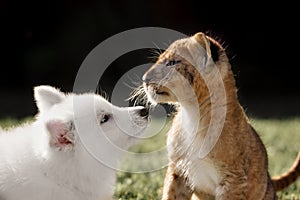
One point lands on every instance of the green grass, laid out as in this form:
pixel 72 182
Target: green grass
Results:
pixel 9 122
pixel 281 138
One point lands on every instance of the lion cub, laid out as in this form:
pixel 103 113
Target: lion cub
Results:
pixel 214 152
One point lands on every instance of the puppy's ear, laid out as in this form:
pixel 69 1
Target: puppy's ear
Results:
pixel 46 97
pixel 61 134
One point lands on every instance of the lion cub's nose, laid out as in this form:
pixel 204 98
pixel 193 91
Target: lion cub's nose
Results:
pixel 146 78
pixel 144 112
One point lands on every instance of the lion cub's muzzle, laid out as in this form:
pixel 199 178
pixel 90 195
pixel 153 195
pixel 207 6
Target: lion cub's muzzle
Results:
pixel 155 78
pixel 155 74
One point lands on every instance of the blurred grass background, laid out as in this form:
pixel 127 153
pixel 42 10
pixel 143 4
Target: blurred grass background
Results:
pixel 281 137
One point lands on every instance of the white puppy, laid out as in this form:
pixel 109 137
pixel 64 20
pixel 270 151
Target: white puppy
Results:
pixel 68 152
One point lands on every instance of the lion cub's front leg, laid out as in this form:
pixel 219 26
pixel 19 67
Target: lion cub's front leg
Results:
pixel 175 186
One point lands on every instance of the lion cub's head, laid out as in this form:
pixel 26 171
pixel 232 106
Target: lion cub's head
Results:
pixel 187 70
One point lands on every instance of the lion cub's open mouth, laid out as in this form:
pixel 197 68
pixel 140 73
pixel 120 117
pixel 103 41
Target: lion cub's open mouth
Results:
pixel 158 89
pixel 161 92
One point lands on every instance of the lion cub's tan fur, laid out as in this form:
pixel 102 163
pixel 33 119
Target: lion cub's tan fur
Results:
pixel 192 74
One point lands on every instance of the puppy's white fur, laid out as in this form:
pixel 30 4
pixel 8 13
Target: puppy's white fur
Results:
pixel 47 160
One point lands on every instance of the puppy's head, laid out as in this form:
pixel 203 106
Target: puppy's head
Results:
pixel 87 121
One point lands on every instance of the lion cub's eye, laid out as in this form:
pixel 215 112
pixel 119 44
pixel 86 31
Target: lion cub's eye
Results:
pixel 104 119
pixel 172 62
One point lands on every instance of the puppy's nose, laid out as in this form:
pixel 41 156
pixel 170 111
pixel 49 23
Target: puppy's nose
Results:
pixel 144 112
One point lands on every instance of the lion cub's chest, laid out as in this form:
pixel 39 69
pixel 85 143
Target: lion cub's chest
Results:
pixel 202 174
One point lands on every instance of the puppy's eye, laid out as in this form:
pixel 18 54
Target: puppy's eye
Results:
pixel 104 119
pixel 172 62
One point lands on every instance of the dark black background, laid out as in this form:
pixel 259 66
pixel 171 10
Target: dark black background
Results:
pixel 45 42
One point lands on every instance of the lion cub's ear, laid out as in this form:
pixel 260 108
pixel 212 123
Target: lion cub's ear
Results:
pixel 199 49
pixel 202 39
